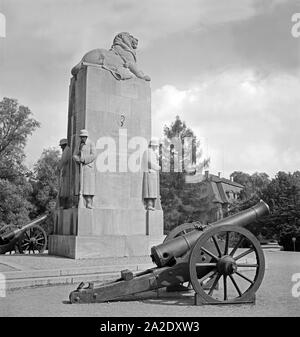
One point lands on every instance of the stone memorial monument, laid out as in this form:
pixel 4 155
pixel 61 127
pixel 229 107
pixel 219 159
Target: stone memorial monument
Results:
pixel 104 213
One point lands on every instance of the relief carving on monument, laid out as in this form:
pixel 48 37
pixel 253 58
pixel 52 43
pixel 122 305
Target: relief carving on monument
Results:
pixel 84 156
pixel 120 60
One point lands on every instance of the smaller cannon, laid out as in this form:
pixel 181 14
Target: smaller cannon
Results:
pixel 29 238
pixel 201 255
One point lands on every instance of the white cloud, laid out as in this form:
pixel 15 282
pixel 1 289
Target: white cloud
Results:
pixel 53 119
pixel 79 25
pixel 249 121
pixel 45 38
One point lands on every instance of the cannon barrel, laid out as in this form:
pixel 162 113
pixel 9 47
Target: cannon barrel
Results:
pixel 165 253
pixel 9 236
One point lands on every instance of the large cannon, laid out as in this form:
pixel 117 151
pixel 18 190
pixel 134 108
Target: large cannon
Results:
pixel 29 238
pixel 223 262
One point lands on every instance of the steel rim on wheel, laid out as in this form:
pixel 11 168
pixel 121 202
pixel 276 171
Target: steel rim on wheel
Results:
pixel 34 240
pixel 221 270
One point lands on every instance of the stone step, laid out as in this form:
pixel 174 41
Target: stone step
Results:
pixel 38 278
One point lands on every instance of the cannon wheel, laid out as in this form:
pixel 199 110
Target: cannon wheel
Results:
pixel 182 229
pixel 241 279
pixel 34 240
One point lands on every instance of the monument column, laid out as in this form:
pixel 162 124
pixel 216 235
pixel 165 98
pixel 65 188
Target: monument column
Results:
pixel 114 112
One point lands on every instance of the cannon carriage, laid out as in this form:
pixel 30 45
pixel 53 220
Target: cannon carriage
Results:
pixel 28 239
pixel 222 261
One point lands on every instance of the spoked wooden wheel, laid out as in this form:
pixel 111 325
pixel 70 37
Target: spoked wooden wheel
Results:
pixel 34 240
pixel 181 230
pixel 233 273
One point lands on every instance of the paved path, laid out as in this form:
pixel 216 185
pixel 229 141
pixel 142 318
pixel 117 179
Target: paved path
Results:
pixel 41 270
pixel 274 298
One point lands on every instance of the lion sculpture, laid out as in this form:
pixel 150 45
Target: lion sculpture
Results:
pixel 120 60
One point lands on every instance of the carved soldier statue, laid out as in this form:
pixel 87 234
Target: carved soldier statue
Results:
pixel 151 176
pixel 85 155
pixel 64 177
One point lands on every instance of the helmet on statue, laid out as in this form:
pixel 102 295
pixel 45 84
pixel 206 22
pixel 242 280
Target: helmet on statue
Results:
pixel 83 133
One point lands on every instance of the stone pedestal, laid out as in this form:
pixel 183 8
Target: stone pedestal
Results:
pixel 118 225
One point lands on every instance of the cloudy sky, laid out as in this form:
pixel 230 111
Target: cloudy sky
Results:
pixel 230 69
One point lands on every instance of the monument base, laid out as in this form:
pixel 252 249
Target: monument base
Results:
pixel 108 221
pixel 86 233
pixel 81 247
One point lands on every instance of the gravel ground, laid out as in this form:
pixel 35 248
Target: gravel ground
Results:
pixel 274 298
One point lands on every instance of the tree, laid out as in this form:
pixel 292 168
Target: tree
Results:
pixel 45 185
pixel 282 194
pixel 14 206
pixel 181 148
pixel 260 181
pixel 179 201
pixel 253 184
pixel 45 181
pixel 16 124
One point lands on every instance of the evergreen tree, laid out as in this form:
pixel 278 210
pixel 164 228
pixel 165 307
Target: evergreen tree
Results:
pixel 181 153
